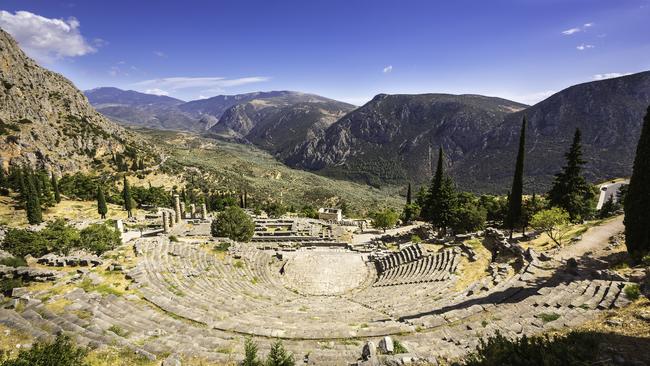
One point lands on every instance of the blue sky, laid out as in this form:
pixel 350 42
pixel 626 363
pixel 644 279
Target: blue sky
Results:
pixel 348 50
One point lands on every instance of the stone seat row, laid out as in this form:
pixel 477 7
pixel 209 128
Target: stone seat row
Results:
pixel 435 267
pixel 405 255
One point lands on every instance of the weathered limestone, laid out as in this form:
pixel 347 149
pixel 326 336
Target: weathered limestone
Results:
pixel 183 212
pixel 165 222
pixel 193 211
pixel 119 225
pixel 172 219
pixel 177 208
pixel 204 211
pixel 386 345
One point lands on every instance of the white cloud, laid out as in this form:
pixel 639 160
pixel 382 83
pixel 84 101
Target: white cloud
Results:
pixel 571 31
pixel 156 91
pixel 388 69
pixel 610 75
pixel 159 53
pixel 47 38
pixel 211 83
pixel 575 30
pixel 202 97
pixel 583 47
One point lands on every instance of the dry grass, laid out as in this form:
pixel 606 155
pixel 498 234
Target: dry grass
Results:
pixel 67 209
pixel 473 271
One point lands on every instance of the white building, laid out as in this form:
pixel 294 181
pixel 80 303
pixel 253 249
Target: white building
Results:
pixel 330 214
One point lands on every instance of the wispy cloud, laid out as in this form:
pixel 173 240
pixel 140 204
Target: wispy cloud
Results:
pixel 47 38
pixel 571 31
pixel 575 30
pixel 583 47
pixel 205 85
pixel 156 91
pixel 610 75
pixel 160 54
pixel 388 69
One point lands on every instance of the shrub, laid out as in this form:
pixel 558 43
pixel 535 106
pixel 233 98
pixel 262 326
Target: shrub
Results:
pixel 278 356
pixel 572 349
pixel 21 242
pixel 416 239
pixel 8 284
pixel 173 238
pixel 61 352
pixel 632 291
pixel 399 347
pixel 250 353
pixel 99 238
pixel 233 223
pixel 13 262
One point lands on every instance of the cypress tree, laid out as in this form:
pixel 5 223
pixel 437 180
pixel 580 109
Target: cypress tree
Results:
pixel 126 195
pixel 514 203
pixel 32 203
pixel 408 194
pixel 102 209
pixel 134 166
pixel 570 189
pixel 3 177
pixel 441 202
pixel 55 188
pixel 637 200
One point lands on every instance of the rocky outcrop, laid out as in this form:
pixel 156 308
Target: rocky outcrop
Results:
pixel 394 138
pixel 45 121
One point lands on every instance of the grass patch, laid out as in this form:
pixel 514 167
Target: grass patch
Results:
pixel 104 289
pixel 548 317
pixel 118 331
pixel 398 347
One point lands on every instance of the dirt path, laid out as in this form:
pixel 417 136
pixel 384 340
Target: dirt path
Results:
pixel 370 235
pixel 594 239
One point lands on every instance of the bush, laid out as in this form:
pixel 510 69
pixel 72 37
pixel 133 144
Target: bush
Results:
pixel 59 237
pixel 61 352
pixel 233 223
pixel 278 356
pixel 8 284
pixel 21 242
pixel 99 238
pixel 632 291
pixel 399 347
pixel 572 349
pixel 79 186
pixel 385 219
pixel 13 262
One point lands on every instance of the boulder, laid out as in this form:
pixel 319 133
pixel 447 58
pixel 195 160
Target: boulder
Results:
pixel 386 345
pixel 369 351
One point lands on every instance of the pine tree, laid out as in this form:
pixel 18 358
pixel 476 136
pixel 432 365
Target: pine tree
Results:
pixel 278 356
pixel 408 194
pixel 102 209
pixel 570 189
pixel 134 166
pixel 637 200
pixel 126 195
pixel 441 202
pixel 55 188
pixel 141 164
pixel 514 203
pixel 32 203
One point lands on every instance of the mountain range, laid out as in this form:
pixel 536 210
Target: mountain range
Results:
pixel 393 139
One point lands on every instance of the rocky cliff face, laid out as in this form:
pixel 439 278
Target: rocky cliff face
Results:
pixel 278 123
pixel 394 138
pixel 46 121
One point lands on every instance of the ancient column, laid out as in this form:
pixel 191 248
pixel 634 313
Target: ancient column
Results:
pixel 177 208
pixel 183 215
pixel 193 211
pixel 204 211
pixel 165 222
pixel 119 225
pixel 172 219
